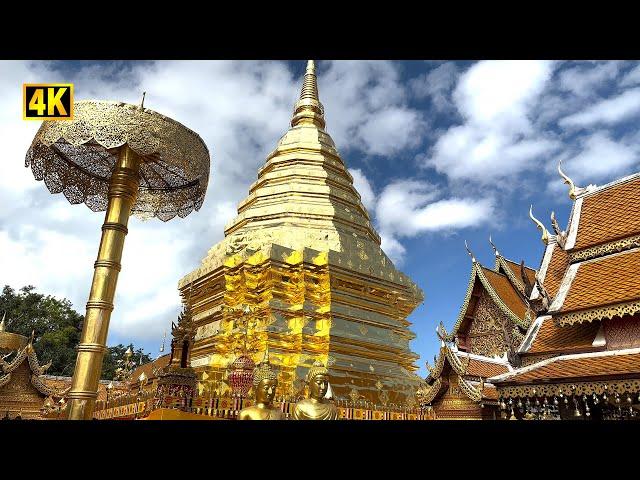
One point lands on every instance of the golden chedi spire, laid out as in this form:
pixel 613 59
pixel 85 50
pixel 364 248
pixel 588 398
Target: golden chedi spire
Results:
pixel 309 108
pixel 302 251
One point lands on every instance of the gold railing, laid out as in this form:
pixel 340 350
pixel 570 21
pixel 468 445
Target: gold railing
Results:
pixel 140 405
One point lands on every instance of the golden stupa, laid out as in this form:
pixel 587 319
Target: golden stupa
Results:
pixel 301 270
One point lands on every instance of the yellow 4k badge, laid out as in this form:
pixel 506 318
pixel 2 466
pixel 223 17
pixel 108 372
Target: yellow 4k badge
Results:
pixel 47 101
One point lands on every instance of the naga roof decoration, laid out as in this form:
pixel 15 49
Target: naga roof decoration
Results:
pixel 28 353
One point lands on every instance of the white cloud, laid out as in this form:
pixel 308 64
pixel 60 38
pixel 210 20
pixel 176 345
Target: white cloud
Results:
pixel 366 107
pixel 497 94
pixel 407 208
pixel 437 85
pixel 601 159
pixel 497 139
pixel 583 80
pixel 606 112
pixel 632 78
pixel 363 187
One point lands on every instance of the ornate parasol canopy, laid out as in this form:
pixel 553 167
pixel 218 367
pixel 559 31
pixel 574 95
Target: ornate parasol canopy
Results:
pixel 78 157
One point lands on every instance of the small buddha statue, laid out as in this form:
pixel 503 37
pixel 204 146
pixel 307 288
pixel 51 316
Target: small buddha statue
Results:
pixel 316 407
pixel 265 382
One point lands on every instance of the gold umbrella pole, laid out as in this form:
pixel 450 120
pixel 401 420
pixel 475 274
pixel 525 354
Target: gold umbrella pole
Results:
pixel 123 190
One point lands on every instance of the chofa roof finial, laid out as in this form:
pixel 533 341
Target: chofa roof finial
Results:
pixel 541 227
pixel 573 190
pixel 473 258
pixel 495 249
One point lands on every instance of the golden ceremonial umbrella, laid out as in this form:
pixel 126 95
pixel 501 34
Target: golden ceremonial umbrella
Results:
pixel 123 159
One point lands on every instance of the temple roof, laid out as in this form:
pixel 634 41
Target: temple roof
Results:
pixel 507 292
pixel 470 369
pixel 576 367
pixel 554 265
pixel 609 213
pixel 28 354
pixel 512 270
pixel 546 336
pixel 502 288
pixel 594 285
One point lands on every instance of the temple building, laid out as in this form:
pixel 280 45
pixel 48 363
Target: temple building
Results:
pixel 26 391
pixel 581 356
pixel 491 325
pixel 301 270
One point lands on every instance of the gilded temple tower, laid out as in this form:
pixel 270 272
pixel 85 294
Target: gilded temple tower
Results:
pixel 303 256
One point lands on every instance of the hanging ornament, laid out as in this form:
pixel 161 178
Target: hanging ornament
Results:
pixel 520 403
pixel 555 401
pixel 577 412
pixel 617 397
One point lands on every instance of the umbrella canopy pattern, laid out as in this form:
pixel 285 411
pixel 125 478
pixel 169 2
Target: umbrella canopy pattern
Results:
pixel 78 157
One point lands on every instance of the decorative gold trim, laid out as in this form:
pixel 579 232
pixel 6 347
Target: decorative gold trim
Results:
pixel 605 249
pixel 429 393
pixel 599 313
pixel 465 303
pixel 502 262
pixel 474 394
pixel 579 388
pixel 436 370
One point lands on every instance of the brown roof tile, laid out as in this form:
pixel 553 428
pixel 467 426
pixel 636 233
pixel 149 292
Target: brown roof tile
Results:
pixel 610 214
pixel 567 339
pixel 507 293
pixel 490 392
pixel 515 268
pixel 605 281
pixel 479 368
pixel 597 366
pixel 556 270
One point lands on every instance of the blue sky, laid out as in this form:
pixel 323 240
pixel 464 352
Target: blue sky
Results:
pixel 440 151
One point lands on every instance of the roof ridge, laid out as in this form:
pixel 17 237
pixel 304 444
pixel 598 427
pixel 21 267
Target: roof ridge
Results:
pixel 611 184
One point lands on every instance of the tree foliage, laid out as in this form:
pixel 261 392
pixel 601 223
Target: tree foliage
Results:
pixel 56 329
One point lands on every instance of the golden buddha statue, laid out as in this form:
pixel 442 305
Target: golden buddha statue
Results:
pixel 316 407
pixel 265 382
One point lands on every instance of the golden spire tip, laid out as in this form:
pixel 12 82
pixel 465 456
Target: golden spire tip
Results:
pixel 142 101
pixel 311 67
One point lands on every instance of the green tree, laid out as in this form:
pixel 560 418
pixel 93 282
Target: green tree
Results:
pixel 56 329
